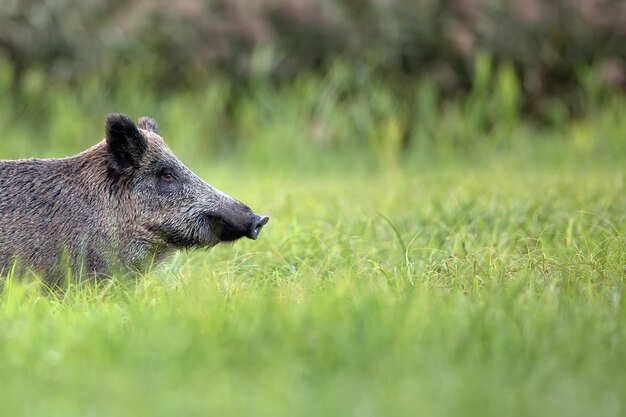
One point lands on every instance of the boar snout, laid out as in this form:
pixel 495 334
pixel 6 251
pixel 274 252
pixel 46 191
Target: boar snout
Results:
pixel 256 226
pixel 231 226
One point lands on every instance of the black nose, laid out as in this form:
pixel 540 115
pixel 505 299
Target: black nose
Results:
pixel 257 224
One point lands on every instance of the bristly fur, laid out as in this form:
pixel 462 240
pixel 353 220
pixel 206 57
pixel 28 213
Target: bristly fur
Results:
pixel 126 202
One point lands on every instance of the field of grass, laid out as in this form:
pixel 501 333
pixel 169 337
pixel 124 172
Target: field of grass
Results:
pixel 471 276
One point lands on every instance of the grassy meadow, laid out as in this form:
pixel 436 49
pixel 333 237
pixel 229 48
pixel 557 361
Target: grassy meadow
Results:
pixel 476 268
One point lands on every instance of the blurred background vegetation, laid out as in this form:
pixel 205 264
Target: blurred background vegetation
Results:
pixel 378 77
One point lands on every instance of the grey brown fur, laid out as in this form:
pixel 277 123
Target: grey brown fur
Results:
pixel 125 202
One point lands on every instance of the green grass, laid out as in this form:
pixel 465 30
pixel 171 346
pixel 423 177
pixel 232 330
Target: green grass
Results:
pixel 473 275
pixel 486 292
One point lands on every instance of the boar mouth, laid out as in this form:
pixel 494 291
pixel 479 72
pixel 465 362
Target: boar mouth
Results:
pixel 210 229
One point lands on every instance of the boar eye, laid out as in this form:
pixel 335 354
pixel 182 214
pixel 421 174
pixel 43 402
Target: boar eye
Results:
pixel 167 176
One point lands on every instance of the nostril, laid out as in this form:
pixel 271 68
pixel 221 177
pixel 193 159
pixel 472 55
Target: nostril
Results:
pixel 256 226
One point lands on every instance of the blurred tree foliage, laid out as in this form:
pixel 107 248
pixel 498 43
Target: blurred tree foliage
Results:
pixel 553 49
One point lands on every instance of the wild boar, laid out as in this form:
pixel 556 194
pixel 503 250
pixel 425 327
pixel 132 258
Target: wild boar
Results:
pixel 126 202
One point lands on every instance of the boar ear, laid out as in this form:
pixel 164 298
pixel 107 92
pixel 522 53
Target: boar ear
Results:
pixel 149 124
pixel 126 144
